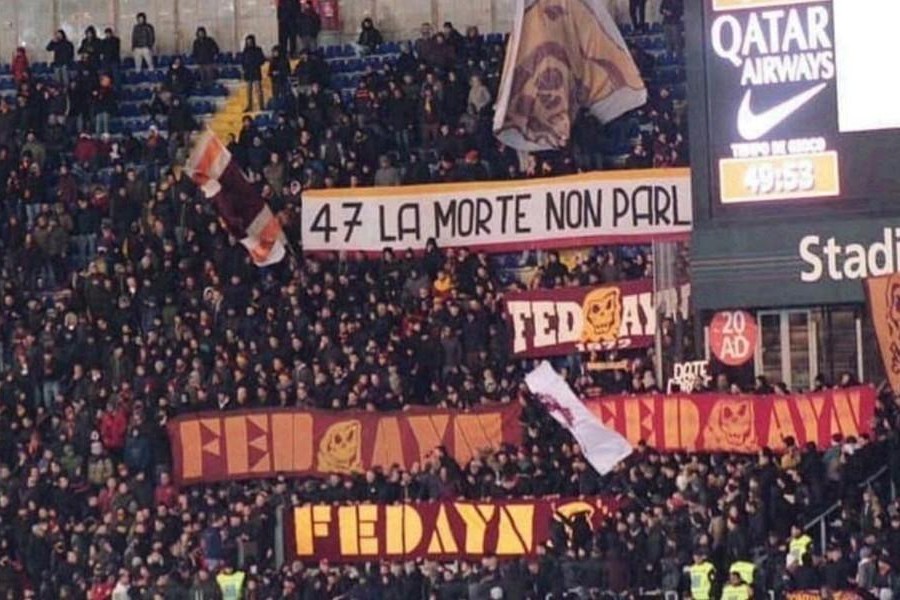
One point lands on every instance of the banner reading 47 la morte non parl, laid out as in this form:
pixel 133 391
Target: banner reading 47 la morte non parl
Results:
pixel 559 212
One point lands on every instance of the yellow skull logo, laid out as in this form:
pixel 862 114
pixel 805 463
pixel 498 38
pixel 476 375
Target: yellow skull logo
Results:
pixel 340 450
pixel 602 311
pixel 730 427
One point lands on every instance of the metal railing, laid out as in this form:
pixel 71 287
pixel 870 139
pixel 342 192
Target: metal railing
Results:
pixel 822 520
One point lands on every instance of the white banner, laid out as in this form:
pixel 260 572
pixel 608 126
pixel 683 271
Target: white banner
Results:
pixel 560 212
pixel 603 447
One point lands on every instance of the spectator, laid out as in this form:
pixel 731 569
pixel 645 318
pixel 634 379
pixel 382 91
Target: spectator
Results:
pixel 672 12
pixel 429 117
pixel 63 55
pixel 369 37
pixel 442 55
pixel 400 120
pixel 424 44
pixel 252 60
pixel 181 122
pixel 472 46
pixel 143 40
pixel 111 54
pixel 91 47
pixel 179 80
pixel 638 11
pixel 453 37
pixel 279 74
pixel 288 15
pixel 103 104
pixel 387 174
pixel 205 51
pixel 308 26
pixel 86 81
pixel 20 69
pixel 479 96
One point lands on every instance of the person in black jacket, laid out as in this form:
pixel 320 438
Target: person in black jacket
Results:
pixel 279 73
pixel 181 123
pixel 308 26
pixel 82 90
pixel 288 14
pixel 205 51
pixel 63 54
pixel 179 80
pixel 110 53
pixel 90 46
pixel 369 37
pixel 103 104
pixel 252 60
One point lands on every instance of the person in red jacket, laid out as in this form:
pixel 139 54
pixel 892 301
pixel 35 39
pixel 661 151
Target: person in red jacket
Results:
pixel 86 149
pixel 113 427
pixel 20 68
pixel 166 494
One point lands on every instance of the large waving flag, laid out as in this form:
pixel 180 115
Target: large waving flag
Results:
pixel 244 213
pixel 601 446
pixel 884 305
pixel 563 55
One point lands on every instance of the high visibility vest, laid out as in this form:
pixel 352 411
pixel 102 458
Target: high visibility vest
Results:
pixel 744 569
pixel 799 546
pixel 736 592
pixel 231 585
pixel 701 580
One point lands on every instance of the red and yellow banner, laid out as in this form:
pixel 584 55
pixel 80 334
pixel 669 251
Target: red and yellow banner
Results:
pixel 264 443
pixel 884 305
pixel 818 595
pixel 437 530
pixel 727 423
pixel 605 317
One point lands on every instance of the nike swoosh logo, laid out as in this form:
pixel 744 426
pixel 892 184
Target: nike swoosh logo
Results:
pixel 753 126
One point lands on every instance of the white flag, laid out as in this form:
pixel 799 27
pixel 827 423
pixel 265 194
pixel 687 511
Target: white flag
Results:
pixel 601 446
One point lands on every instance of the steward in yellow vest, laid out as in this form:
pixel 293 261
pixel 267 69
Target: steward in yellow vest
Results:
pixel 745 569
pixel 231 583
pixel 702 574
pixel 737 588
pixel 799 545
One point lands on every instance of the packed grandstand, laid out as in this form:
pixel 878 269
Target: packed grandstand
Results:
pixel 177 422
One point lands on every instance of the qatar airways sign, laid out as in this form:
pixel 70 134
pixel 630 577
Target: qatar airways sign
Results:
pixel 771 71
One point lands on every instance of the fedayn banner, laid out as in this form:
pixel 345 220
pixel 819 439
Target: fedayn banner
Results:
pixel 741 424
pixel 604 317
pixel 435 530
pixel 208 447
pixel 832 594
pixel 636 206
pixel 884 307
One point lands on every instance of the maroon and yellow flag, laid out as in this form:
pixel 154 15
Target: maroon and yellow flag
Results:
pixel 884 306
pixel 563 55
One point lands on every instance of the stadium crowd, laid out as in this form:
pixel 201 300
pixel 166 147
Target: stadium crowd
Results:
pixel 125 305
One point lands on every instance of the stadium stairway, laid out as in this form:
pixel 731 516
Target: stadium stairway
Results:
pixel 227 120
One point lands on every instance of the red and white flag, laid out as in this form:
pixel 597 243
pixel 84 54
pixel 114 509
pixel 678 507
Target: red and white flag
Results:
pixel 602 447
pixel 240 207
